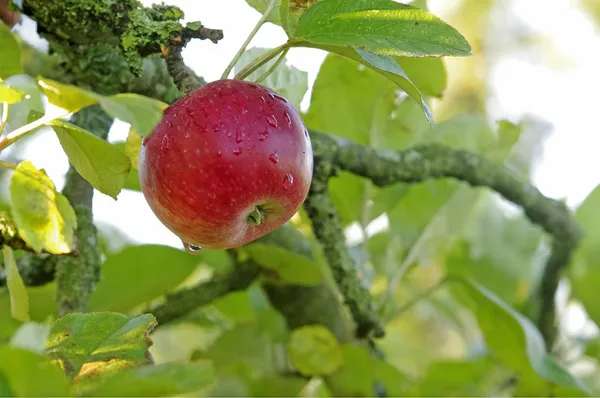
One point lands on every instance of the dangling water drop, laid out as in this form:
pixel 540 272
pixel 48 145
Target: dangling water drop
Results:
pixel 190 248
pixel 237 151
pixel 274 158
pixel 288 119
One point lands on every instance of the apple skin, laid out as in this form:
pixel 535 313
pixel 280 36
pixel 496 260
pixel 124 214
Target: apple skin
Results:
pixel 218 155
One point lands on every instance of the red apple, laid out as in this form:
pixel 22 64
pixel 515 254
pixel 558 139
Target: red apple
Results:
pixel 227 164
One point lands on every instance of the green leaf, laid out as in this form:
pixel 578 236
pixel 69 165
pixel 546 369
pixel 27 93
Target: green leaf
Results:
pixel 290 267
pixel 10 54
pixel 138 274
pixel 369 115
pixel 169 379
pixel 143 113
pixel 133 144
pixel 316 387
pixel 261 6
pixel 19 300
pixel 33 104
pixel 380 26
pixel 26 374
pixel 92 344
pixel 287 81
pixel 252 345
pixel 585 269
pixel 290 12
pixel 427 74
pixel 66 96
pixel 10 94
pixel 516 343
pixel 388 64
pixel 387 67
pixel 314 351
pixel 44 217
pixel 454 378
pixel 99 162
pixel 132 181
pixel 363 374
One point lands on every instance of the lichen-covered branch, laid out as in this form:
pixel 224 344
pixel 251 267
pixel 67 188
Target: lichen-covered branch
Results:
pixel 76 277
pixel 384 167
pixel 103 46
pixel 300 305
pixel 328 230
pixel 181 303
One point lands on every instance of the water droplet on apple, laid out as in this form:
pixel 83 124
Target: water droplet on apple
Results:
pixel 288 181
pixel 239 137
pixel 288 119
pixel 219 154
pixel 216 128
pixel 263 99
pixel 244 109
pixel 169 124
pixel 263 136
pixel 280 98
pixel 186 135
pixel 229 134
pixel 274 158
pixel 190 248
pixel 272 96
pixel 164 145
pixel 272 121
pixel 237 151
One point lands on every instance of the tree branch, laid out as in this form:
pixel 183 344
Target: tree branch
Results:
pixel 76 277
pixel 420 163
pixel 328 230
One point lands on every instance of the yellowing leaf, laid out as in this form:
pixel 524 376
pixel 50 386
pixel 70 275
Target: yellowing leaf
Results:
pixel 143 113
pixel 100 163
pixel 44 218
pixel 10 94
pixel 94 344
pixel 133 144
pixel 19 301
pixel 70 98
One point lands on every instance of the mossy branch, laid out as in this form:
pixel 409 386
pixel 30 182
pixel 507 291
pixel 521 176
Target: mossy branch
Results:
pixel 413 165
pixel 328 230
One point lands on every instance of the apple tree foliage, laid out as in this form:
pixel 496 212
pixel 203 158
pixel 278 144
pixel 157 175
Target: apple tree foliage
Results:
pixel 454 297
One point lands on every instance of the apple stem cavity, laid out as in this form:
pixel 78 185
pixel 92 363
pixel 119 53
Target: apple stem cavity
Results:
pixel 255 218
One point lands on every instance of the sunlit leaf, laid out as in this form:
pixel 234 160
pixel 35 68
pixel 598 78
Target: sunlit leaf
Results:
pixel 380 26
pixel 19 113
pixel 314 351
pixel 19 300
pixel 96 160
pixel 10 94
pixel 10 55
pixel 88 345
pixel 133 144
pixel 143 113
pixel 66 96
pixel 44 218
